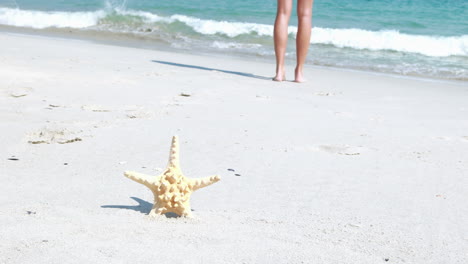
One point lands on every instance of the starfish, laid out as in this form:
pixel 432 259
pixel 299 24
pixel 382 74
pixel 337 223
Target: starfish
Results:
pixel 171 189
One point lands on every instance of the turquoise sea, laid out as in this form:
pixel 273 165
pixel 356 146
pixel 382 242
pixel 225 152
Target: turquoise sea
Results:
pixel 427 38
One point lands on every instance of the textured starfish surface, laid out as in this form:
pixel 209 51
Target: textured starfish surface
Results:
pixel 172 190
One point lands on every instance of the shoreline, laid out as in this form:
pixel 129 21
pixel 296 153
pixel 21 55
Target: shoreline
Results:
pixel 132 41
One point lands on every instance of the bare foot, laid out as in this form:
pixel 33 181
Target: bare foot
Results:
pixel 299 78
pixel 280 75
pixel 277 78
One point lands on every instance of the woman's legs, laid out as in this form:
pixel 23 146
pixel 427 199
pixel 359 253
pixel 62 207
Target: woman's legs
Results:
pixel 280 36
pixel 304 16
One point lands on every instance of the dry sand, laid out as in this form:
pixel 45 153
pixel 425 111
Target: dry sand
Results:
pixel 351 167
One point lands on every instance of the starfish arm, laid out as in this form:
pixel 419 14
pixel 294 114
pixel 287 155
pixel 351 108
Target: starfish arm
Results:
pixel 203 182
pixel 144 179
pixel 174 153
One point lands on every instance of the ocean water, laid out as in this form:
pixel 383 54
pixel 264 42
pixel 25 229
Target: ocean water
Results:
pixel 427 38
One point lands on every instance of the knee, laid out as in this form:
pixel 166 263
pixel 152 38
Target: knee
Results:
pixel 304 15
pixel 286 12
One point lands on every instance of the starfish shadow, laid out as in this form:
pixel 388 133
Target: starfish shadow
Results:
pixel 143 207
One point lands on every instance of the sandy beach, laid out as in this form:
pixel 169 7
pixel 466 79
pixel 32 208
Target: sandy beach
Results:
pixel 350 167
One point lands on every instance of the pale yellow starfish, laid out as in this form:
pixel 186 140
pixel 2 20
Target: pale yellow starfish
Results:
pixel 172 190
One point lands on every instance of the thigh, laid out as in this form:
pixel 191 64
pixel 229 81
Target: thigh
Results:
pixel 284 6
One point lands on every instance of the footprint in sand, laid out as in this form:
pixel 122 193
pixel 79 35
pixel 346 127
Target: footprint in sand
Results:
pixel 325 93
pixel 377 119
pixel 444 138
pixel 153 74
pixel 344 114
pixel 134 111
pixel 342 150
pixel 140 114
pixel 95 108
pixel 53 135
pixel 20 91
pixel 130 111
pixel 262 97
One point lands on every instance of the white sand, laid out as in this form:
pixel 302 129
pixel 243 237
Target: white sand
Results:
pixel 351 167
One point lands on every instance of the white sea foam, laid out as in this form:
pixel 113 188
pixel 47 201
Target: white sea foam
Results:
pixel 231 29
pixel 392 40
pixel 41 19
pixel 147 16
pixel 234 45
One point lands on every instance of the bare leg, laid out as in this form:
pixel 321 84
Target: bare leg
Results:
pixel 304 16
pixel 280 36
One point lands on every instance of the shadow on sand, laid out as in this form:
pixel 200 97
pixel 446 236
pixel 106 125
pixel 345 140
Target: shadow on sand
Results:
pixel 143 207
pixel 244 74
